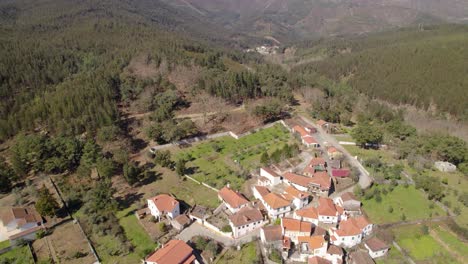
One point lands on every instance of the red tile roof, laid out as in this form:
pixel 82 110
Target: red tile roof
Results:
pixel 272 233
pixel 295 192
pixel 173 252
pixel 348 228
pixel 246 215
pixel 294 225
pixel 323 179
pixel 313 241
pixel 316 162
pixel 309 140
pixel 361 222
pixel 164 202
pixel 335 250
pixel 234 199
pixel 326 207
pixel 262 190
pixel 376 244
pixel 310 212
pixel 298 179
pixel 275 201
pixel 332 150
pixel 340 173
pixel 300 130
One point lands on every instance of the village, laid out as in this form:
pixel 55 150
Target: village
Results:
pixel 296 214
pixel 302 209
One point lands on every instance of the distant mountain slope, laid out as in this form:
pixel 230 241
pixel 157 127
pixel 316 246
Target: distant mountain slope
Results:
pixel 296 19
pixel 426 68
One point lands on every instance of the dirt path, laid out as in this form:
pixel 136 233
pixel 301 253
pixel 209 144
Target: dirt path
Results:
pixel 454 253
pixel 191 116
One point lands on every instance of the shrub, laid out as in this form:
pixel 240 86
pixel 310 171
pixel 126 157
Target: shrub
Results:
pixel 226 228
pixel 275 256
pixel 79 254
pixel 162 227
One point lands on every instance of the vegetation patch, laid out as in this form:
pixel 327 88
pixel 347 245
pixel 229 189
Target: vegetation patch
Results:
pixel 403 203
pixel 227 160
pixel 17 255
pixel 247 254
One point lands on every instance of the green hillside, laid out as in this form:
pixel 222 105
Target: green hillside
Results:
pixel 422 68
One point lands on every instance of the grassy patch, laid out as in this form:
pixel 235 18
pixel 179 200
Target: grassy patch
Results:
pixel 452 241
pixel 17 255
pixel 135 233
pixel 183 189
pixel 4 244
pixel 217 162
pixel 407 201
pixel 421 247
pixel 247 254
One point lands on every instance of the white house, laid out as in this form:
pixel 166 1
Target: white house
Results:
pixel 327 211
pixel 376 247
pixel 164 205
pixel 351 232
pixel 271 175
pixel 246 220
pixel 349 203
pixel 276 205
pixel 233 200
pixel 294 228
pixel 297 181
pixel 299 199
pixel 20 223
pixel 174 251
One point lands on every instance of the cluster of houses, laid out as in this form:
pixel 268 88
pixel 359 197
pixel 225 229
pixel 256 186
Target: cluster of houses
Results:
pixel 292 213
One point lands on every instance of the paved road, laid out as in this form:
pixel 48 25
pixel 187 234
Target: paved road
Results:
pixel 197 229
pixel 365 179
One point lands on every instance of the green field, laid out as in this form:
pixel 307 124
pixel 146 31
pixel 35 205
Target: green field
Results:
pixel 407 201
pixel 421 247
pixel 136 233
pixel 364 154
pixel 247 254
pixel 19 255
pixel 221 161
pixel 452 241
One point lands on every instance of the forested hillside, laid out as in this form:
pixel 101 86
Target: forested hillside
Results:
pixel 426 68
pixel 62 64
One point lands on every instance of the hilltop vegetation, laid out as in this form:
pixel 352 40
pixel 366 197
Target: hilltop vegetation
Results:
pixel 422 68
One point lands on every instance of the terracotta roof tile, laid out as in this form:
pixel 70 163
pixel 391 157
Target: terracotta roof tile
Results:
pixel 173 252
pixel 348 196
pixel 295 192
pixel 335 250
pixel 298 179
pixel 22 215
pixel 361 257
pixel 316 162
pixel 270 171
pixel 164 202
pixel 272 233
pixel 314 242
pixel 376 244
pixel 246 215
pixel 340 173
pixel 326 207
pixel 310 212
pixel 300 130
pixel 309 139
pixel 295 225
pixel 323 179
pixel 182 219
pixel 348 228
pixel 321 122
pixel 275 201
pixel 262 190
pixel 233 198
pixel 361 222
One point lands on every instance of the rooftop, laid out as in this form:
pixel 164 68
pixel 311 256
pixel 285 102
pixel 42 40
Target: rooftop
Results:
pixel 22 215
pixel 318 260
pixel 326 207
pixel 246 215
pixel 294 225
pixel 164 202
pixel 376 244
pixel 272 233
pixel 173 252
pixel 275 201
pixel 231 197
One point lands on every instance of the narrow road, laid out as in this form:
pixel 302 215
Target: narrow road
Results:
pixel 365 179
pixel 191 116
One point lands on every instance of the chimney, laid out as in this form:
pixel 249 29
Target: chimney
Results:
pixel 228 185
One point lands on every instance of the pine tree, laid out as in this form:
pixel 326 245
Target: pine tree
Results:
pixel 46 204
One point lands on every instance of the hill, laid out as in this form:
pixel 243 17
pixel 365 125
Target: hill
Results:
pixel 425 68
pixel 299 19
